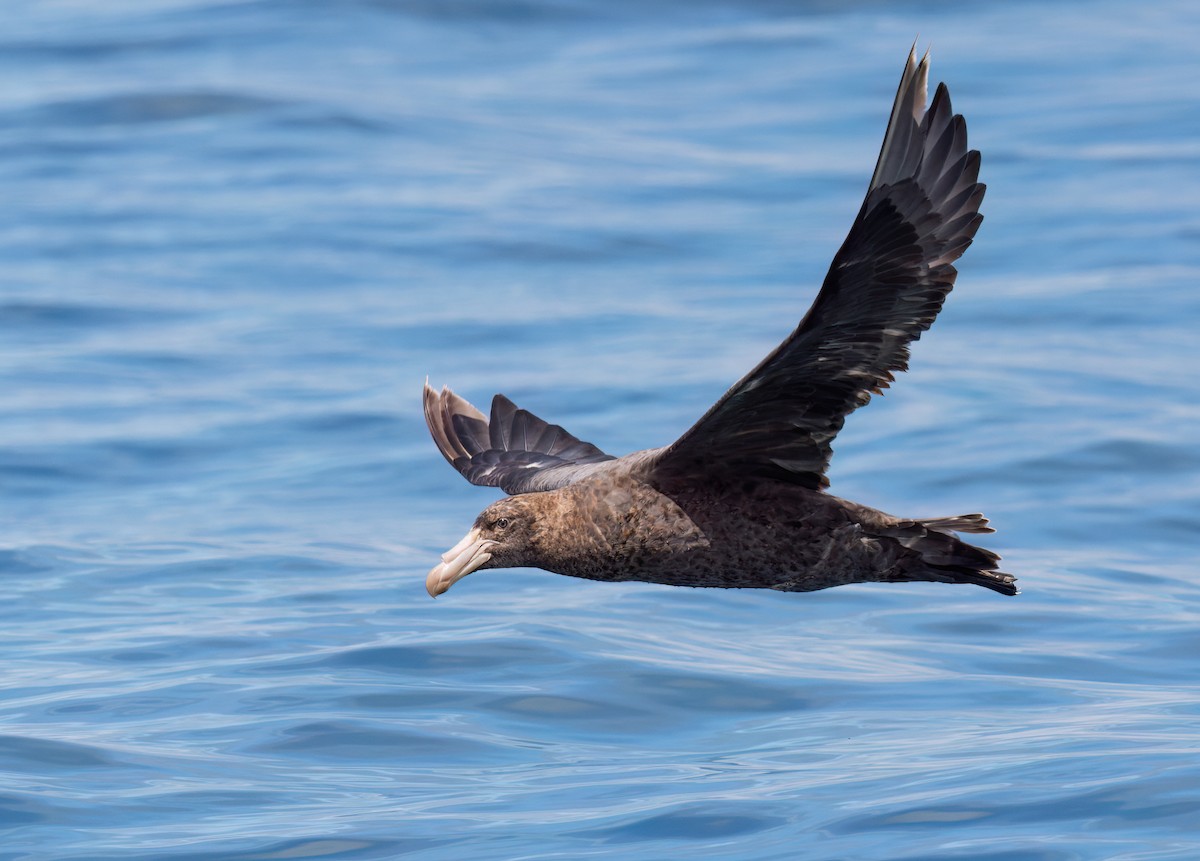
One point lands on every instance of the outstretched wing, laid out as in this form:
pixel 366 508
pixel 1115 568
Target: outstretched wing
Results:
pixel 512 449
pixel 884 288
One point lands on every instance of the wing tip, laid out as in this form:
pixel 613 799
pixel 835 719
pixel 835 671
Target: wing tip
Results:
pixel 440 410
pixel 912 95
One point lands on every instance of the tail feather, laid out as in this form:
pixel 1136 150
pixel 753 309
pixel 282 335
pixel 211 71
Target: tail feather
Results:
pixel 939 556
pixel 958 523
pixel 989 577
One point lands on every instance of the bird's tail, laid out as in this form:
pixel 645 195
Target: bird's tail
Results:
pixel 944 558
pixel 958 523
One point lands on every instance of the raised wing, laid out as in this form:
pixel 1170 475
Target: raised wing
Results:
pixel 512 449
pixel 884 288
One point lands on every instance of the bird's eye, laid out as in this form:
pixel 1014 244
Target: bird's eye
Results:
pixel 502 523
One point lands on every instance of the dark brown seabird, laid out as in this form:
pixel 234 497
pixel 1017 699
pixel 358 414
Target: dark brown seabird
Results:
pixel 739 500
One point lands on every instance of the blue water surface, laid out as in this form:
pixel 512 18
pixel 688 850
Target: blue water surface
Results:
pixel 236 237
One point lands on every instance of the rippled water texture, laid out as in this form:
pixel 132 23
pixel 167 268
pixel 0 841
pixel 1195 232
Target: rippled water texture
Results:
pixel 236 238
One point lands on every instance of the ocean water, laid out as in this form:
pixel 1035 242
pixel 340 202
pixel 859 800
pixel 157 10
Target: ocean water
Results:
pixel 237 236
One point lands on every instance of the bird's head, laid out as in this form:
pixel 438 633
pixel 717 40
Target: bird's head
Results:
pixel 502 537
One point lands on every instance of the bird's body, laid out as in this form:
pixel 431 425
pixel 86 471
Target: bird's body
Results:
pixel 615 525
pixel 739 500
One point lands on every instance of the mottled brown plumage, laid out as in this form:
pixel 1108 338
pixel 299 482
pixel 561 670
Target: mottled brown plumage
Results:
pixel 739 499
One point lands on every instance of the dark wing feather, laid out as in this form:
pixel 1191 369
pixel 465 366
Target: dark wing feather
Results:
pixel 884 288
pixel 512 449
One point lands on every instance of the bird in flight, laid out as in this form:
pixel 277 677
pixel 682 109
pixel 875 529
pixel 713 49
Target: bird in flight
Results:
pixel 739 501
